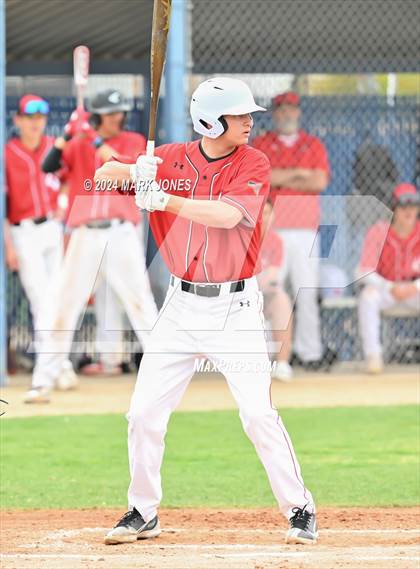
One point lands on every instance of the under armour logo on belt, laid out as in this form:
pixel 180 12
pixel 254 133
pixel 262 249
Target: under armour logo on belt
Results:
pixel 244 303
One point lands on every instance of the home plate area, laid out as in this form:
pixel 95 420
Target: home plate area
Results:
pixel 212 539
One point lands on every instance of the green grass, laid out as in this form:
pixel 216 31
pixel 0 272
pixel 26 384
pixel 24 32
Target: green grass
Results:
pixel 349 457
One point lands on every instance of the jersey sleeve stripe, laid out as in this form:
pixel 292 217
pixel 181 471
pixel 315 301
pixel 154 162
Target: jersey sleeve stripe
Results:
pixel 242 208
pixel 197 175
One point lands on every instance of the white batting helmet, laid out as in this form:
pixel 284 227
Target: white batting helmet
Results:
pixel 217 97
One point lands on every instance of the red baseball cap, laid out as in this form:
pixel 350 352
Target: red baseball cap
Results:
pixel 406 194
pixel 32 104
pixel 287 98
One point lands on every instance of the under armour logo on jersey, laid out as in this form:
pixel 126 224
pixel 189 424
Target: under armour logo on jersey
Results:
pixel 243 303
pixel 178 165
pixel 114 97
pixel 255 186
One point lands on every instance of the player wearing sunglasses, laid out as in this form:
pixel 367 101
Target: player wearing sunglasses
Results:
pixel 33 235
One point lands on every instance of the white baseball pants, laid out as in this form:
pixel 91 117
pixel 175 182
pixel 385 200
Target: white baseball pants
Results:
pixel 301 265
pixel 110 324
pixel 110 320
pixel 229 331
pixel 92 256
pixel 372 301
pixel 39 249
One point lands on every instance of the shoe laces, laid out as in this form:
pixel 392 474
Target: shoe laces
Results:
pixel 301 518
pixel 128 516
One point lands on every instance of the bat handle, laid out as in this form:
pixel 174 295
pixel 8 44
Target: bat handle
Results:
pixel 150 148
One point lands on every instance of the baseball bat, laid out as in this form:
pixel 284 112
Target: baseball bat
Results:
pixel 160 29
pixel 81 57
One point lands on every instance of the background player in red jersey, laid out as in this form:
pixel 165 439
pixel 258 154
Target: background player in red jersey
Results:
pixel 102 129
pixel 104 245
pixel 300 172
pixel 389 269
pixel 33 235
pixel 277 306
pixel 208 229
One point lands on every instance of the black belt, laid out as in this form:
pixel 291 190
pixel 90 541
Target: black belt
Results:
pixel 209 290
pixel 102 223
pixel 36 220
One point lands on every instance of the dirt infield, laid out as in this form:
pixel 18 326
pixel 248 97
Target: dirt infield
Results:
pixel 212 539
pixel 215 539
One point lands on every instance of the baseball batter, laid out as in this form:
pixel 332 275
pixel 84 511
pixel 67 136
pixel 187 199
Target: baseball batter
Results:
pixel 104 244
pixel 205 200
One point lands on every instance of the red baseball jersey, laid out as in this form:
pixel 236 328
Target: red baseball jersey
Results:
pixel 393 257
pixel 271 254
pixel 196 252
pixel 81 160
pixel 30 192
pixel 293 208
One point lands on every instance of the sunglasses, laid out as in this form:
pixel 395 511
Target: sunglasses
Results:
pixel 33 107
pixel 407 200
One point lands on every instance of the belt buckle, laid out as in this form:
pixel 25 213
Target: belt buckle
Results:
pixel 207 290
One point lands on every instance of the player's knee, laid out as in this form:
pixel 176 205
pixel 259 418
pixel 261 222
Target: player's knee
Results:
pixel 147 421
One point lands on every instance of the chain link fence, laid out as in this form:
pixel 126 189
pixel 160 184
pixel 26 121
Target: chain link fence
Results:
pixel 355 66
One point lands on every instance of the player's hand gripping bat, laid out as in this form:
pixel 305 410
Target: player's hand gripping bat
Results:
pixel 160 29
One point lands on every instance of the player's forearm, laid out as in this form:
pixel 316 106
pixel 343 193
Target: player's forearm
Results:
pixel 52 161
pixel 366 276
pixel 115 172
pixel 302 179
pixel 282 176
pixel 210 213
pixel 106 152
pixel 7 237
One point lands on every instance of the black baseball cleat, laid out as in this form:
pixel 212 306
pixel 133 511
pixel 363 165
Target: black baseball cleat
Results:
pixel 303 527
pixel 132 527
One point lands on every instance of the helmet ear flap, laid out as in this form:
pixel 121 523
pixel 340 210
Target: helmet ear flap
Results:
pixel 221 120
pixel 224 123
pixel 95 120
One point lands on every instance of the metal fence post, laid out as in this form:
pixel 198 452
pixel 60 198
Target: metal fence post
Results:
pixel 176 78
pixel 3 338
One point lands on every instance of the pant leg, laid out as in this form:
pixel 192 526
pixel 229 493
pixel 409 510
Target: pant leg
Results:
pixel 52 253
pixel 165 371
pixel 126 273
pixel 80 273
pixel 284 269
pixel 109 325
pixel 29 244
pixel 370 303
pixel 304 274
pixel 246 366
